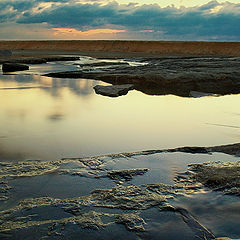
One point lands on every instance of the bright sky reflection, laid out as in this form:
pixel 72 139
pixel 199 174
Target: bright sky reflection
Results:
pixel 68 119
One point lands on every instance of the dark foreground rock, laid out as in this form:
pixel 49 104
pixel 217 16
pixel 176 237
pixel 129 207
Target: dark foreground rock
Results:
pixel 179 76
pixel 114 90
pixel 12 67
pixel 60 58
pixel 119 203
pixel 218 176
pixel 126 174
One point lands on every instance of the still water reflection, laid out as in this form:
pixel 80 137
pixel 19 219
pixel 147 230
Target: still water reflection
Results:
pixel 47 118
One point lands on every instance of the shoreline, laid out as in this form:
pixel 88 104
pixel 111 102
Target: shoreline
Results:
pixel 117 48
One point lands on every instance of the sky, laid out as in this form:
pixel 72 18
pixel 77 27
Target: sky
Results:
pixel 133 20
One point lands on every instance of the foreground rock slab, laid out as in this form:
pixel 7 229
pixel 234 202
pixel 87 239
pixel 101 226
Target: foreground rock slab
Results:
pixel 110 205
pixel 125 174
pixel 218 176
pixel 113 91
pixel 12 67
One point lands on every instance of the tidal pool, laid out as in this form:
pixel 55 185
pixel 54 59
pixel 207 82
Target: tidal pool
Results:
pixel 50 119
pixel 47 118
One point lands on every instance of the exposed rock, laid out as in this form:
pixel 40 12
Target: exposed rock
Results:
pixel 178 76
pixel 101 64
pixel 130 197
pixel 27 168
pixel 114 90
pixel 161 188
pixel 193 150
pixel 5 53
pixel 96 164
pixel 4 191
pixel 91 220
pixel 218 176
pixel 80 172
pixel 9 219
pixel 72 74
pixel 120 198
pixel 126 174
pixel 60 58
pixel 12 67
pixel 231 149
pixel 131 221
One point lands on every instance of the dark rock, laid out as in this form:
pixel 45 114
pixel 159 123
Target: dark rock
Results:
pixel 192 150
pixel 102 64
pixel 5 53
pixel 231 149
pixel 70 74
pixel 218 176
pixel 94 162
pixel 126 174
pixel 131 221
pixel 178 76
pixel 60 58
pixel 12 67
pixel 114 90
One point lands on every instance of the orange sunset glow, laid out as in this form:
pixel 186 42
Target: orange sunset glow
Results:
pixel 72 32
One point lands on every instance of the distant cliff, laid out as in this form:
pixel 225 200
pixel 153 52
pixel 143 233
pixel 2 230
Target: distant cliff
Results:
pixel 150 47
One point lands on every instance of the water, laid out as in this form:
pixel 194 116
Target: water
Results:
pixel 49 119
pixel 46 118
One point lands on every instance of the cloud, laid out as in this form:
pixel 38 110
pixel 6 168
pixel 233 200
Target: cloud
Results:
pixel 210 21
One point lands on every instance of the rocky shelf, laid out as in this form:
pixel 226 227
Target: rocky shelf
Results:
pixel 176 75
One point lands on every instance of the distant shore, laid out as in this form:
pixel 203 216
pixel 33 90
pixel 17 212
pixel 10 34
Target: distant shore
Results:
pixel 121 48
